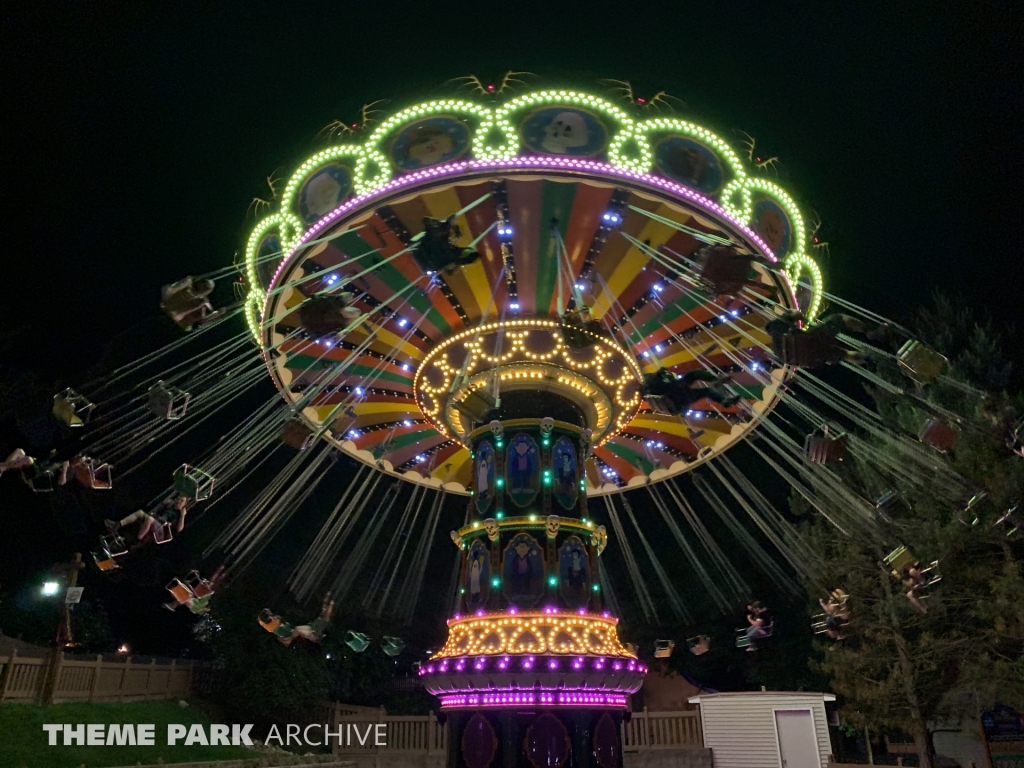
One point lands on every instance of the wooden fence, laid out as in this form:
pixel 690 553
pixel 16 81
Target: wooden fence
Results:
pixel 405 734
pixel 27 680
pixel 662 730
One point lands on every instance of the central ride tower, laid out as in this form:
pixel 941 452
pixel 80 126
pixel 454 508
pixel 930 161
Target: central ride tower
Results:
pixel 533 672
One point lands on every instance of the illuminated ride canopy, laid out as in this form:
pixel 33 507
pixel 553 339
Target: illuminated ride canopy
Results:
pixel 570 200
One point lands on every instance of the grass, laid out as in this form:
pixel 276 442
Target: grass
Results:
pixel 23 742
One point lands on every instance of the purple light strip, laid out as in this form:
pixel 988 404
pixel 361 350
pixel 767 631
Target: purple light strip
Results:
pixel 527 663
pixel 554 163
pixel 544 697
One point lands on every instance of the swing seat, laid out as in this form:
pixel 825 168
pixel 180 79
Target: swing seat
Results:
pixel 822 448
pixel 296 434
pixel 100 476
pixel 199 586
pixel 162 533
pixel 931 575
pixel 42 482
pixel 921 363
pixel 939 435
pixel 186 303
pixel 199 605
pixel 662 405
pixel 725 271
pixel 180 591
pixel 318 627
pixel 699 645
pixel 104 561
pixel 167 402
pixel 887 501
pixel 1011 520
pixel 114 546
pixel 392 646
pixel 72 408
pixel 193 483
pixel 284 630
pixel 435 251
pixel 582 335
pixel 357 641
pixel 663 648
pixel 899 560
pixel 327 315
pixel 477 405
pixel 811 349
pixel 269 621
pixel 743 640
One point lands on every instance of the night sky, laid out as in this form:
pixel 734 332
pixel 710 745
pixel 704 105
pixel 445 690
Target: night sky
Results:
pixel 137 133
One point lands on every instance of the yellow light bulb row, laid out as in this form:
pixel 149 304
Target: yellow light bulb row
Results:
pixel 482 636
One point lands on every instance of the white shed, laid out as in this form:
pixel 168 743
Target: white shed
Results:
pixel 766 729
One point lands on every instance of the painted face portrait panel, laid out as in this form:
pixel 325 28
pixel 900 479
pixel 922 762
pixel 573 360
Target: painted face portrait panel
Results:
pixel 324 191
pixel 564 131
pixel 522 467
pixel 574 572
pixel 690 163
pixel 483 477
pixel 478 574
pixel 773 225
pixel 523 572
pixel 430 142
pixel 564 472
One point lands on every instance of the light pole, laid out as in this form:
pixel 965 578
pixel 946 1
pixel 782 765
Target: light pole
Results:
pixel 64 627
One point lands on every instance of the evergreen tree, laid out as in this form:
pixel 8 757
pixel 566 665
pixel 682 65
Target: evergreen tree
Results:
pixel 900 668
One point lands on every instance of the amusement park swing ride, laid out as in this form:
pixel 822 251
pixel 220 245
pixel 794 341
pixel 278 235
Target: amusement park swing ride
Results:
pixel 543 302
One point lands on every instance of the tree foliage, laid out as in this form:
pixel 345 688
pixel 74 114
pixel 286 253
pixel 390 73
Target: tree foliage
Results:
pixel 900 668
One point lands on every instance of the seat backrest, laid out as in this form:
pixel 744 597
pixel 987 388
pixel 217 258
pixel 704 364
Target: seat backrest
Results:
pixel 162 533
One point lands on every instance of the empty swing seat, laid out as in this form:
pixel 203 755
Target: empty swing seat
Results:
pixel 663 648
pixel 180 591
pixel 357 641
pixel 269 621
pixel 167 402
pixel 939 435
pixel 193 483
pixel 72 408
pixel 113 546
pixel 699 645
pixel 899 560
pixel 199 605
pixel 199 586
pixel 823 448
pixel 920 362
pixel 104 561
pixel 296 434
pixel 392 646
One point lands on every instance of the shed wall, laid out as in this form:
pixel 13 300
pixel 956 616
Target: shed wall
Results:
pixel 740 730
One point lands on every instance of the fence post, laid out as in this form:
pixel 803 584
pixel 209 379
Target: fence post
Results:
pixel 431 727
pixel 124 678
pixel 97 670
pixel 50 691
pixel 170 678
pixel 647 729
pixel 9 673
pixel 149 678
